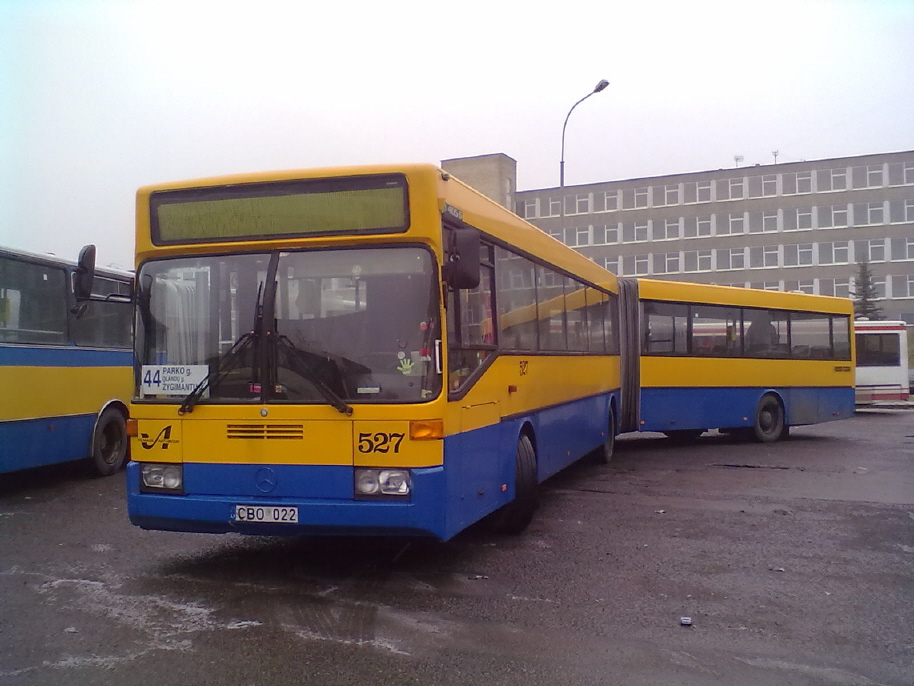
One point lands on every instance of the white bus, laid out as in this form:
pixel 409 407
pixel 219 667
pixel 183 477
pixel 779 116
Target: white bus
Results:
pixel 882 361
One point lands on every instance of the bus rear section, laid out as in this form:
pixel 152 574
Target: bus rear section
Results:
pixel 883 373
pixel 743 361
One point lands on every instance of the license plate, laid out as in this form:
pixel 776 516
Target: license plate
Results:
pixel 266 513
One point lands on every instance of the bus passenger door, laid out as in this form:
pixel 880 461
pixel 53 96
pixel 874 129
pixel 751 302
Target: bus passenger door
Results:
pixel 472 454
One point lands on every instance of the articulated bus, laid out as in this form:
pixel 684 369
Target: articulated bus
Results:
pixel 882 361
pixel 65 366
pixel 744 361
pixel 368 350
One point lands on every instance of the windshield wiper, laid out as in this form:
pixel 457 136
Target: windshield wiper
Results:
pixel 228 362
pixel 293 357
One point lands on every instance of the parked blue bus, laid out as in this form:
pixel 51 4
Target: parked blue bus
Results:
pixel 65 366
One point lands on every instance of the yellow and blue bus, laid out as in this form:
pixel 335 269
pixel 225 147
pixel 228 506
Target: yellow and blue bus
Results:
pixel 65 368
pixel 366 350
pixel 745 361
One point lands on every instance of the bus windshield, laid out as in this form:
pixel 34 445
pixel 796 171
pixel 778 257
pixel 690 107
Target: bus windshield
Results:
pixel 311 327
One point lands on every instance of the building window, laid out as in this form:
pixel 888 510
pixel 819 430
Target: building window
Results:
pixel 879 283
pixel 901 211
pixel 901 174
pixel 731 258
pixel 839 288
pixel 903 286
pixel 607 201
pixel 798 219
pixel 730 189
pixel 612 264
pixel 577 204
pixel 832 217
pixel 807 286
pixel 834 253
pixel 696 191
pixel 902 249
pixel 641 197
pixel 634 232
pixel 577 237
pixel 528 209
pixel 732 224
pixel 635 265
pixel 666 229
pixel 766 285
pixel 798 255
pixel 796 183
pixel 763 257
pixel 671 195
pixel 697 261
pixel 557 234
pixel 667 263
pixel 763 222
pixel 867 177
pixel 870 250
pixel 696 227
pixel 832 180
pixel 555 207
pixel 868 213
pixel 763 186
pixel 605 234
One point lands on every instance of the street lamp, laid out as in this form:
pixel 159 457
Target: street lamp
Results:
pixel 600 86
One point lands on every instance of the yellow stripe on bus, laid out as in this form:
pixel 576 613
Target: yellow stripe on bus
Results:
pixel 34 392
pixel 680 372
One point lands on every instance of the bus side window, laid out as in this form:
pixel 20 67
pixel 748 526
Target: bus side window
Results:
pixel 665 328
pixel 516 301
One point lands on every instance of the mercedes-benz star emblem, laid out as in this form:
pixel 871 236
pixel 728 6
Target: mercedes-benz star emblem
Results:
pixel 265 479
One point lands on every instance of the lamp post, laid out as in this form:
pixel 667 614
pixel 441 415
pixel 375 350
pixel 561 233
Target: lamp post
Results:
pixel 600 86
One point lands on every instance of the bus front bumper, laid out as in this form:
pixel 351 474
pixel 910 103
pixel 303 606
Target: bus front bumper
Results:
pixel 329 513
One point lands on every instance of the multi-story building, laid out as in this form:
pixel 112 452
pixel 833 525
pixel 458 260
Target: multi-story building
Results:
pixel 799 226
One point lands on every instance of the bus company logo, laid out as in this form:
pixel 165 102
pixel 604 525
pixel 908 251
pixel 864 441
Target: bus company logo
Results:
pixel 163 438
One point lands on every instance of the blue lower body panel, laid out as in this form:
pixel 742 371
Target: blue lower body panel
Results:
pixel 670 409
pixel 37 442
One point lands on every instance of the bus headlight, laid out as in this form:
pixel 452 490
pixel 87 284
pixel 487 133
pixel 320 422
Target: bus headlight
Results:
pixel 382 482
pixel 161 478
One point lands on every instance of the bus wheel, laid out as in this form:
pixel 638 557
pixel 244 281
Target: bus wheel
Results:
pixel 514 517
pixel 109 443
pixel 683 435
pixel 604 454
pixel 769 420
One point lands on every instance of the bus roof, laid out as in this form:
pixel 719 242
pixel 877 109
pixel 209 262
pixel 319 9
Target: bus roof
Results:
pixel 679 291
pixel 431 190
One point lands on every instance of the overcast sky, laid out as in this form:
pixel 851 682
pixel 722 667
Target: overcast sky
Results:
pixel 100 97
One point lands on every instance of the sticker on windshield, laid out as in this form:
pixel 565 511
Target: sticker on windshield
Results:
pixel 163 379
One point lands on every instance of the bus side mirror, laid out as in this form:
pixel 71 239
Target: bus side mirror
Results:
pixel 84 274
pixel 461 270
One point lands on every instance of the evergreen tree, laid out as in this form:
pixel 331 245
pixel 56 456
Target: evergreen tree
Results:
pixel 865 294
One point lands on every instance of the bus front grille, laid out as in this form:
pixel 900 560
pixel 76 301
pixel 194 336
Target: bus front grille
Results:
pixel 294 432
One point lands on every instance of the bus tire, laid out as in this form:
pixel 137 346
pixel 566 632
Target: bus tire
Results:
pixel 770 425
pixel 604 453
pixel 683 435
pixel 109 442
pixel 514 517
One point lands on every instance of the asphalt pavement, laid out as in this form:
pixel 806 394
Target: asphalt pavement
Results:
pixel 793 563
